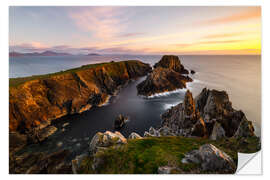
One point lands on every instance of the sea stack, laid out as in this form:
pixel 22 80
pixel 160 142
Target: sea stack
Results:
pixel 168 75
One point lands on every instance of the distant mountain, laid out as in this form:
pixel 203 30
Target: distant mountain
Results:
pixel 93 54
pixel 45 53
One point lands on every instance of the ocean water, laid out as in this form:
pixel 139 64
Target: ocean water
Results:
pixel 240 76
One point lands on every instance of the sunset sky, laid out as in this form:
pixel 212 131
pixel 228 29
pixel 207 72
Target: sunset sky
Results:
pixel 136 30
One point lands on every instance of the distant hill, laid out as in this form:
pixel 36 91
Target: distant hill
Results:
pixel 45 53
pixel 93 54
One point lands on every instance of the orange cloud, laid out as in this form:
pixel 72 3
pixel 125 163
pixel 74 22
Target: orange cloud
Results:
pixel 252 14
pixel 224 35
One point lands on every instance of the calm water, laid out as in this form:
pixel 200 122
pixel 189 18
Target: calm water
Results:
pixel 240 76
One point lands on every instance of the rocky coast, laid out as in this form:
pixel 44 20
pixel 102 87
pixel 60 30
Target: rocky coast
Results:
pixel 199 135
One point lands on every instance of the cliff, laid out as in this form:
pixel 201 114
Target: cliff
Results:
pixel 35 101
pixel 166 76
pixel 171 62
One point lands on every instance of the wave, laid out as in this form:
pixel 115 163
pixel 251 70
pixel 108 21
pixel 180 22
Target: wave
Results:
pixel 168 106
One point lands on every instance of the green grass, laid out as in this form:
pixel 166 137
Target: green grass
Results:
pixel 146 155
pixel 14 82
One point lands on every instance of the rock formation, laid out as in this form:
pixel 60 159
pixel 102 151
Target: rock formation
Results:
pixel 104 140
pixel 162 80
pixel 184 119
pixel 171 62
pixel 35 103
pixel 209 115
pixel 166 76
pixel 120 121
pixel 211 159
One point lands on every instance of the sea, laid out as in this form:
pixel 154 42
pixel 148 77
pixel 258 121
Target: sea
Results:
pixel 238 75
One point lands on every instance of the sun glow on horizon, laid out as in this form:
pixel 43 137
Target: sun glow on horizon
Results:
pixel 136 30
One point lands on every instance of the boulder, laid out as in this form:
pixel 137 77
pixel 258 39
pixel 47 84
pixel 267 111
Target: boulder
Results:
pixel 217 132
pixel 134 135
pixel 120 121
pixel 165 169
pixel 171 62
pixel 211 159
pixel 162 80
pixel 103 140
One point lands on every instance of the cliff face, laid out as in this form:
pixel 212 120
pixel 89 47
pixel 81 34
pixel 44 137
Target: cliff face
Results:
pixel 36 102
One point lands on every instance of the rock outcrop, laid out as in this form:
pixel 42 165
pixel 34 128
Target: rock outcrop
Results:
pixel 162 80
pixel 35 103
pixel 209 115
pixel 41 163
pixel 171 62
pixel 211 159
pixel 184 119
pixel 120 121
pixel 102 141
pixel 163 131
pixel 134 136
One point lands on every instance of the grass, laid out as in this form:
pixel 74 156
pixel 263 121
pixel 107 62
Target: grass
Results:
pixel 144 156
pixel 14 82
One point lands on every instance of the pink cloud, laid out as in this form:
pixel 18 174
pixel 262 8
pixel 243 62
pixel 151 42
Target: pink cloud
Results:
pixel 103 22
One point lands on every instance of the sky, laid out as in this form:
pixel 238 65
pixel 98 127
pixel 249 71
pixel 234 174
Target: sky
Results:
pixel 136 30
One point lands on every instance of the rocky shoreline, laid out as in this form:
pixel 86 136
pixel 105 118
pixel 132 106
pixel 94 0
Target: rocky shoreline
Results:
pixel 199 135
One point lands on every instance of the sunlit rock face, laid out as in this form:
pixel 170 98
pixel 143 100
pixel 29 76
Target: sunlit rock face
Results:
pixel 34 103
pixel 171 62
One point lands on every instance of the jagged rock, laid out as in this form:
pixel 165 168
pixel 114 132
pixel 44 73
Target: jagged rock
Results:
pixel 147 134
pixel 192 71
pixel 217 132
pixel 171 62
pixel 104 140
pixel 211 159
pixel 184 119
pixel 215 106
pixel 134 136
pixel 162 80
pixel 154 132
pixel 166 131
pixel 39 135
pixel 76 163
pixel 199 129
pixel 245 129
pixel 120 121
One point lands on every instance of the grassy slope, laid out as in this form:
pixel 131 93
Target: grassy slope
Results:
pixel 146 155
pixel 14 82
